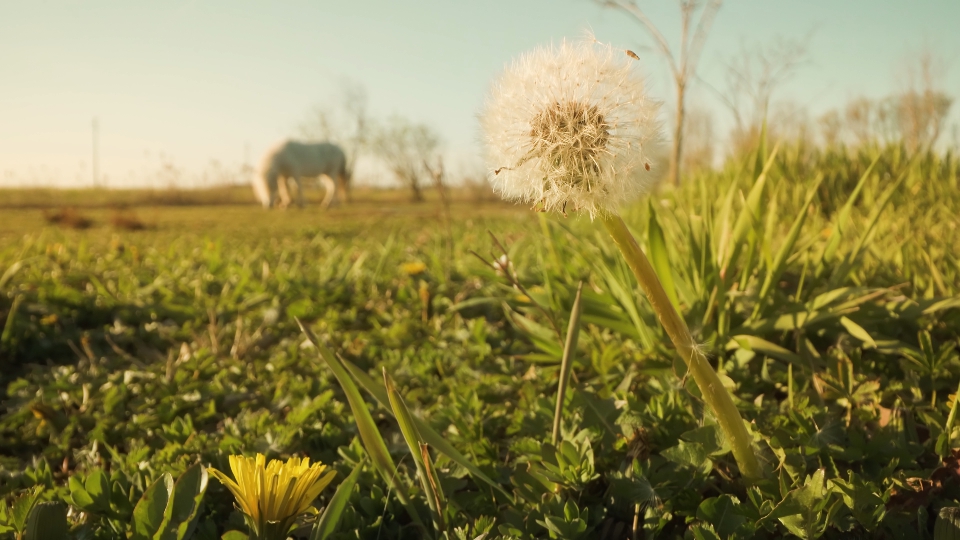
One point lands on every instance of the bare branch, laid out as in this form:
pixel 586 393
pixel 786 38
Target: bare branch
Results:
pixel 633 9
pixel 703 29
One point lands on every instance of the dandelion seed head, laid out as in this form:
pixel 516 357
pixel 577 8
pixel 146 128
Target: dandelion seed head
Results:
pixel 571 127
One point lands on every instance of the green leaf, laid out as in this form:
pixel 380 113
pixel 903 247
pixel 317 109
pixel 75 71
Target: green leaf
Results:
pixel 98 487
pixel 801 510
pixel 180 517
pixel 863 500
pixel 858 332
pixel 762 346
pixel 723 513
pixel 327 524
pixel 689 453
pixel 22 507
pixel 148 515
pixel 47 521
pixel 79 496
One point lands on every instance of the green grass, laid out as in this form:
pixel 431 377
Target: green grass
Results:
pixel 835 322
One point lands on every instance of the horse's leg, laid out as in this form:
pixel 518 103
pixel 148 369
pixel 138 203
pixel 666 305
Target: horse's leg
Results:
pixel 300 184
pixel 329 191
pixel 284 191
pixel 343 188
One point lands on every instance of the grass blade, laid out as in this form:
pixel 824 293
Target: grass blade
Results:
pixel 780 260
pixel 659 255
pixel 369 434
pixel 432 438
pixel 327 523
pixel 569 347
pixel 750 212
pixel 836 233
pixel 843 271
pixel 411 435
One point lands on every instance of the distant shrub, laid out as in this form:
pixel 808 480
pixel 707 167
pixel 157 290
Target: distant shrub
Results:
pixel 68 217
pixel 127 221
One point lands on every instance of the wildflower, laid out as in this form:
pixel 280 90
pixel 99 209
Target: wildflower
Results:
pixel 271 496
pixel 413 268
pixel 572 127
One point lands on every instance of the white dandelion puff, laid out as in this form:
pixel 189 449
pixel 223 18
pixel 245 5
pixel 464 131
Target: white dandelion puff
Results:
pixel 571 127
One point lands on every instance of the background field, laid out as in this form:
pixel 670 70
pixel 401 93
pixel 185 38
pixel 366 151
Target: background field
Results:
pixel 825 291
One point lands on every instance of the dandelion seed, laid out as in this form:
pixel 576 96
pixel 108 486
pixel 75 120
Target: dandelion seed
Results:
pixel 572 124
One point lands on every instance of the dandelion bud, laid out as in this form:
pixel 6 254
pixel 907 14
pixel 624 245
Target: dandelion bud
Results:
pixel 571 127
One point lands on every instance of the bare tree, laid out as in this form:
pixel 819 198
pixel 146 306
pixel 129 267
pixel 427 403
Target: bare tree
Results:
pixel 698 136
pixel 921 108
pixel 343 120
pixel 405 148
pixel 683 64
pixel 753 77
pixel 831 127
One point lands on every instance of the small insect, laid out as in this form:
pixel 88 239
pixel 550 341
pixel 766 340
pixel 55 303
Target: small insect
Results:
pixel 631 54
pixel 646 166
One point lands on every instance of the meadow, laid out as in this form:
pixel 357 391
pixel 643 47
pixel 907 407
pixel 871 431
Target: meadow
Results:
pixel 823 284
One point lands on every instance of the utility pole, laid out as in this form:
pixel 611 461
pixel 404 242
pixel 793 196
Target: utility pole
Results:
pixel 96 156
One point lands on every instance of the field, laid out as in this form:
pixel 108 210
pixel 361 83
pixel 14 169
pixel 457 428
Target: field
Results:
pixel 824 286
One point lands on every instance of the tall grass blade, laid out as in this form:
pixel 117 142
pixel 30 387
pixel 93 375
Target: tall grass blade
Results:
pixel 780 260
pixel 843 271
pixel 659 255
pixel 569 347
pixel 415 443
pixel 843 218
pixel 369 434
pixel 750 213
pixel 327 524
pixel 432 438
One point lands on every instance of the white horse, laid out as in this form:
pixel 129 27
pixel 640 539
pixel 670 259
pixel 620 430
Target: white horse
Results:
pixel 292 160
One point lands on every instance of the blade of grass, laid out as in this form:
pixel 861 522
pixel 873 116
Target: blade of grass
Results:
pixel 659 255
pixel 369 434
pixel 780 260
pixel 843 271
pixel 750 212
pixel 569 347
pixel 432 438
pixel 836 233
pixel 945 440
pixel 415 443
pixel 327 523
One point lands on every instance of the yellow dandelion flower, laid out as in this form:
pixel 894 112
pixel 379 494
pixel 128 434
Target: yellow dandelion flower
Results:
pixel 272 495
pixel 413 268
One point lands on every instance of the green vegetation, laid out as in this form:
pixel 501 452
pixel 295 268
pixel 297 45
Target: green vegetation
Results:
pixel 825 292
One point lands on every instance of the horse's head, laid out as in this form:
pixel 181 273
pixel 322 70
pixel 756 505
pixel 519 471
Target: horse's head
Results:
pixel 261 188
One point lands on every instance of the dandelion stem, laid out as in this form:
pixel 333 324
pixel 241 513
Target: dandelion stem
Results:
pixel 714 394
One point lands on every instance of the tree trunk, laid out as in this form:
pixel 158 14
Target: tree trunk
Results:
pixel 677 151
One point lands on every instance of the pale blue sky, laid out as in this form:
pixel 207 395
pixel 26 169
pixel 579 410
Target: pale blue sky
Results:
pixel 202 81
